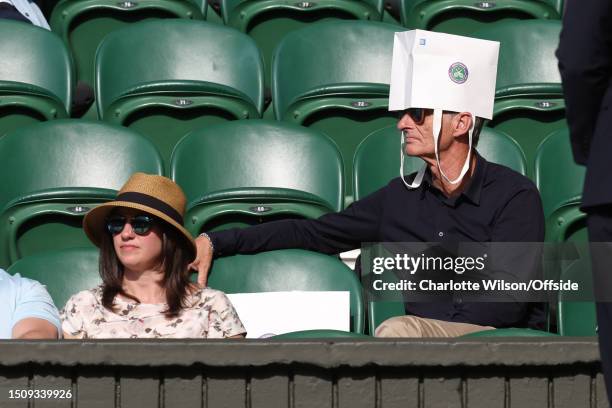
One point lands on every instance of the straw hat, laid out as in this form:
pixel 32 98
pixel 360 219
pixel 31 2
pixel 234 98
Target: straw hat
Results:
pixel 155 195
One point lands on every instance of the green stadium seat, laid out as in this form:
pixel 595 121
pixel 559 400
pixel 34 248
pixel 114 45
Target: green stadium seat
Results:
pixel 577 318
pixel 512 332
pixel 245 172
pixel 268 21
pixel 36 76
pixel 54 172
pixel 560 181
pixel 559 5
pixel 529 101
pixel 64 272
pixel 464 17
pixel 83 24
pixel 290 269
pixel 334 77
pixel 165 78
pixel 377 160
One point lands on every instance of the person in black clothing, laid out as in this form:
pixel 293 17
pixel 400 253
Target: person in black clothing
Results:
pixel 489 203
pixel 10 12
pixel 585 63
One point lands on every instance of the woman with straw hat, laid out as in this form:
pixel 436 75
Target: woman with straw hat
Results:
pixel 144 256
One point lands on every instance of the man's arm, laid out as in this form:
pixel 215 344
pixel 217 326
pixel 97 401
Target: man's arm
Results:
pixel 585 63
pixel 330 234
pixel 35 315
pixel 34 328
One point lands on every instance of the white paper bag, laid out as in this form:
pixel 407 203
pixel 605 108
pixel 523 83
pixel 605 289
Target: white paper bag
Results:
pixel 443 71
pixel 270 313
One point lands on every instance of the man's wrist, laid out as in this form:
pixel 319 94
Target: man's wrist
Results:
pixel 210 243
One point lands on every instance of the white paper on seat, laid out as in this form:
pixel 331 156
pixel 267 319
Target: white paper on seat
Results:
pixel 270 313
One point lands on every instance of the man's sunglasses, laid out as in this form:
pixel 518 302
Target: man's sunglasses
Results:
pixel 417 114
pixel 141 224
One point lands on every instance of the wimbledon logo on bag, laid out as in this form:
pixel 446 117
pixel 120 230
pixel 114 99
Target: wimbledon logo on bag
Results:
pixel 458 73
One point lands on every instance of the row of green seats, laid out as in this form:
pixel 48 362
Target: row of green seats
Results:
pixel 233 174
pixel 269 162
pixel 83 24
pixel 267 170
pixel 332 77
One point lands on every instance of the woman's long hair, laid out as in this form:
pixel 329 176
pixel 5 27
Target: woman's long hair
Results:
pixel 176 255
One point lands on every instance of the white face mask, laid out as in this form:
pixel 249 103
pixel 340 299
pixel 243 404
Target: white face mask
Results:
pixel 437 126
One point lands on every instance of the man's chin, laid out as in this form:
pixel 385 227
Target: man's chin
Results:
pixel 413 152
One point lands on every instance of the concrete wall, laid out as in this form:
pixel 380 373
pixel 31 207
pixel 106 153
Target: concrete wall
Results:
pixel 476 373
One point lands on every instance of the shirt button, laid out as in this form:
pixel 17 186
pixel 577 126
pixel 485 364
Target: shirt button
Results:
pixel 440 234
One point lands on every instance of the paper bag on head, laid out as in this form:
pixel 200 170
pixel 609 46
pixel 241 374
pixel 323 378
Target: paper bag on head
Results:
pixel 443 72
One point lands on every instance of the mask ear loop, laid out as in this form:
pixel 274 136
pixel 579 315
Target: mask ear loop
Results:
pixel 437 125
pixel 416 183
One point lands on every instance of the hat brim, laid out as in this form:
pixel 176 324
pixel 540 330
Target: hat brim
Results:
pixel 94 221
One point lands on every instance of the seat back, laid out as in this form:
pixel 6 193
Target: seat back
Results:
pixel 63 272
pixel 55 171
pixel 268 21
pixel 557 176
pixel 464 17
pixel 334 77
pixel 288 270
pixel 560 182
pixel 577 317
pixel 529 101
pixel 250 171
pixel 36 76
pixel 167 77
pixel 559 5
pixel 84 24
pixel 377 158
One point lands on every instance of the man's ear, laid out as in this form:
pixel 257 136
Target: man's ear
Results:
pixel 461 124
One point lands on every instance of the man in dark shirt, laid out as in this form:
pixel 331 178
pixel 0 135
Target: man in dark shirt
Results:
pixel 454 200
pixel 585 63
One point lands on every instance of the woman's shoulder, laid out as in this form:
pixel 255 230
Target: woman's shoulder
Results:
pixel 88 296
pixel 206 296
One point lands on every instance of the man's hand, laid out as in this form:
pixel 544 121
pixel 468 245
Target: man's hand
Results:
pixel 203 259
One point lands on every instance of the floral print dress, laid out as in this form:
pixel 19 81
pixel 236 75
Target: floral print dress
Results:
pixel 209 315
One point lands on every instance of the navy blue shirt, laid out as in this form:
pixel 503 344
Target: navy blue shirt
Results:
pixel 498 205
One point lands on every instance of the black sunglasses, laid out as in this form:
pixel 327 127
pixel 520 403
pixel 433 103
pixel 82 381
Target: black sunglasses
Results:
pixel 141 224
pixel 417 114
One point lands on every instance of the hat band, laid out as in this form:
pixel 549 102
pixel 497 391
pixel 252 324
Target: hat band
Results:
pixel 152 202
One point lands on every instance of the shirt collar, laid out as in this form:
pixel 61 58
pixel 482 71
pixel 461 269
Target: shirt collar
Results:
pixel 474 188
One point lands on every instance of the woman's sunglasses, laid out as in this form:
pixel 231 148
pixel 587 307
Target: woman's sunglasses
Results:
pixel 141 224
pixel 417 114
